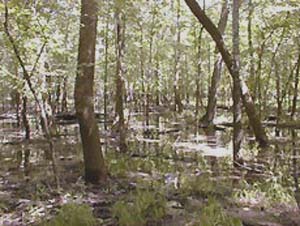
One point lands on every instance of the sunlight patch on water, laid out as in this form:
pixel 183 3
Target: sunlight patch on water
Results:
pixel 204 149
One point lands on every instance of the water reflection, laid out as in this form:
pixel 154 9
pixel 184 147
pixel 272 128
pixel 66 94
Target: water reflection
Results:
pixel 167 137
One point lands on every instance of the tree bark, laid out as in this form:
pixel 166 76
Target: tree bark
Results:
pixel 236 92
pixel 251 80
pixel 106 72
pixel 199 66
pixel 25 121
pixel 95 170
pixel 120 31
pixel 64 101
pixel 254 120
pixel 296 85
pixel 177 95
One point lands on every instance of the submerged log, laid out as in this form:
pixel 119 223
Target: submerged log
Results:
pixel 67 118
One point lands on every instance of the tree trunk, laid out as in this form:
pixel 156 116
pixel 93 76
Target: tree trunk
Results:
pixel 199 65
pixel 57 96
pixel 95 170
pixel 157 81
pixel 254 120
pixel 207 119
pixel 120 79
pixel 236 92
pixel 251 80
pixel 177 95
pixel 64 103
pixel 294 134
pixel 25 121
pixel 106 72
pixel 296 85
pixel 278 99
pixel 18 106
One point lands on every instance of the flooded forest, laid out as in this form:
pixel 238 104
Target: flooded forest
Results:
pixel 149 112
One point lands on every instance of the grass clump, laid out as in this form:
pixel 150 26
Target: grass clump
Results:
pixel 145 206
pixel 213 214
pixel 73 215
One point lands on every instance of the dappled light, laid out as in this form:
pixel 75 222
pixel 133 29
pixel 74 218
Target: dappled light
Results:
pixel 150 112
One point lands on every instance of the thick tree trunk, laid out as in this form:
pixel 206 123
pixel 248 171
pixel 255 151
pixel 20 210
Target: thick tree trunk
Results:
pixel 120 79
pixel 95 170
pixel 227 57
pixel 208 118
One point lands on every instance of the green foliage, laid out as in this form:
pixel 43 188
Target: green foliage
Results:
pixel 73 215
pixel 118 167
pixel 213 214
pixel 269 192
pixel 204 185
pixel 146 206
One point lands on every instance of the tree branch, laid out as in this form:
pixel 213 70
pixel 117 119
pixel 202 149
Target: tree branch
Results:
pixel 211 28
pixel 26 74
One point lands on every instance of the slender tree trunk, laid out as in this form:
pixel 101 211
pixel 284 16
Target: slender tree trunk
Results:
pixel 259 71
pixel 27 78
pixel 120 79
pixel 57 96
pixel 198 76
pixel 142 70
pixel 251 50
pixel 149 74
pixel 16 96
pixel 227 57
pixel 64 101
pixel 278 99
pixel 296 85
pixel 177 95
pixel 157 78
pixel 236 92
pixel 278 82
pixel 185 86
pixel 106 72
pixel 294 134
pixel 95 170
pixel 25 121
pixel 207 119
pixel 18 107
